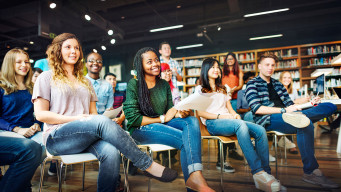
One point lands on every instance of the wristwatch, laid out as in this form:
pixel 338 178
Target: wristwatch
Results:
pixel 162 118
pixel 283 110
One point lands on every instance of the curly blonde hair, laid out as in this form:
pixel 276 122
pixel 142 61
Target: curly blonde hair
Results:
pixel 8 80
pixel 281 80
pixel 55 59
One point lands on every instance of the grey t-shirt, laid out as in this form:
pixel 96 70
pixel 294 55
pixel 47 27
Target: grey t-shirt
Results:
pixel 66 101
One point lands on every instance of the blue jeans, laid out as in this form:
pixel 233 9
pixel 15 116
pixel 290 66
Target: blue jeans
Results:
pixel 23 156
pixel 305 136
pixel 37 137
pixel 180 133
pixel 102 137
pixel 259 159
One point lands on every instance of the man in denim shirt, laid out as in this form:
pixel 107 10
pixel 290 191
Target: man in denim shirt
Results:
pixel 272 108
pixel 103 89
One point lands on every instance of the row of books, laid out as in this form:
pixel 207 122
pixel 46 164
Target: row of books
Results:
pixel 324 49
pixel 287 64
pixel 294 75
pixel 285 52
pixel 321 61
pixel 245 56
pixel 248 67
pixel 193 63
pixel 191 81
pixel 193 71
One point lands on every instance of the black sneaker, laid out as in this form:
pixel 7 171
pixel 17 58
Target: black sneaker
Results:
pixel 227 167
pixel 234 155
pixel 52 170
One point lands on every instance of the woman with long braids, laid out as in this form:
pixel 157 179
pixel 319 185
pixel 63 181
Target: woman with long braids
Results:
pixel 152 119
pixel 66 102
pixel 222 120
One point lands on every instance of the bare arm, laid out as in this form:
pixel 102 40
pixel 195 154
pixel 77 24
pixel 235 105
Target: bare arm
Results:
pixel 41 109
pixel 178 77
pixel 264 110
pixel 93 109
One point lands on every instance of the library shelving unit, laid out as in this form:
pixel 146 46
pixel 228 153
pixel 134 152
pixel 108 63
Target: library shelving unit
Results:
pixel 299 60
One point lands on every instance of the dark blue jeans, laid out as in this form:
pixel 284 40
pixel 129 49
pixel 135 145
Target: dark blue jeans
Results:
pixel 102 137
pixel 258 159
pixel 305 136
pixel 180 133
pixel 23 156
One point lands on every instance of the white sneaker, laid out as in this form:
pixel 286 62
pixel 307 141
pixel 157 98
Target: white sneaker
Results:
pixel 266 182
pixel 271 158
pixel 288 143
pixel 296 119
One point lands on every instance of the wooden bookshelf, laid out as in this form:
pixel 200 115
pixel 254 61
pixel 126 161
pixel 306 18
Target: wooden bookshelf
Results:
pixel 300 60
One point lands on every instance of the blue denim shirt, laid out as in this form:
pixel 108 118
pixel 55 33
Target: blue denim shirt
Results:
pixel 104 94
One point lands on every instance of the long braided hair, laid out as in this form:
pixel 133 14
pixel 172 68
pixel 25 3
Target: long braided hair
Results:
pixel 143 92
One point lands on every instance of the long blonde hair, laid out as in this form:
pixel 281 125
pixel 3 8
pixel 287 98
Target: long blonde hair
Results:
pixel 55 59
pixel 8 80
pixel 281 80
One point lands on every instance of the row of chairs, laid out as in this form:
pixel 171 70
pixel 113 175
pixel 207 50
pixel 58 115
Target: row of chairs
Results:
pixel 88 157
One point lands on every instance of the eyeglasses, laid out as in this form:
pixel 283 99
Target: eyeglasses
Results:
pixel 93 61
pixel 167 71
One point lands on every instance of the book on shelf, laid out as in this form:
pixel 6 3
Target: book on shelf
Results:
pixel 324 49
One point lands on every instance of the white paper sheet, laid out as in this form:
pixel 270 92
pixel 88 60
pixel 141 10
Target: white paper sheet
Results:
pixel 113 113
pixel 195 101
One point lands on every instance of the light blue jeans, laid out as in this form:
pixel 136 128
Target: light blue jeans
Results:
pixel 180 133
pixel 258 159
pixel 102 137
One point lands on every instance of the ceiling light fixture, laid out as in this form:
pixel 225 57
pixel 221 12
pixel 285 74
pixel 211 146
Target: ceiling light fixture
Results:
pixel 25 48
pixel 178 6
pixel 112 41
pixel 266 12
pixel 53 5
pixel 219 28
pixel 103 47
pixel 189 46
pixel 110 32
pixel 166 28
pixel 31 60
pixel 266 37
pixel 94 50
pixel 87 17
pixel 31 42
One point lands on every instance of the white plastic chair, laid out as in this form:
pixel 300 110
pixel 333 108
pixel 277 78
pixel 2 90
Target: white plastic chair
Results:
pixel 65 160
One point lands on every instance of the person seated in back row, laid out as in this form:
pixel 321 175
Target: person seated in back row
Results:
pixel 274 110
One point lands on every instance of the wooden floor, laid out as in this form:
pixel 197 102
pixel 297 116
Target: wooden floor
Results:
pixel 289 175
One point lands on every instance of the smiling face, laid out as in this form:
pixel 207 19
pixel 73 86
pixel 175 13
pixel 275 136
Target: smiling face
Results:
pixel 286 79
pixel 214 71
pixel 22 65
pixel 166 75
pixel 94 63
pixel 70 51
pixel 150 64
pixel 230 60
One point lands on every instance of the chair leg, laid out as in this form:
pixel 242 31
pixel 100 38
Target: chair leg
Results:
pixel 276 155
pixel 169 160
pixel 149 180
pixel 59 172
pixel 221 166
pixel 208 148
pixel 83 176
pixel 42 168
pixel 125 170
pixel 65 172
pixel 285 154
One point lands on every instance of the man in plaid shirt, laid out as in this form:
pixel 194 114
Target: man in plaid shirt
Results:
pixel 272 108
pixel 165 51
